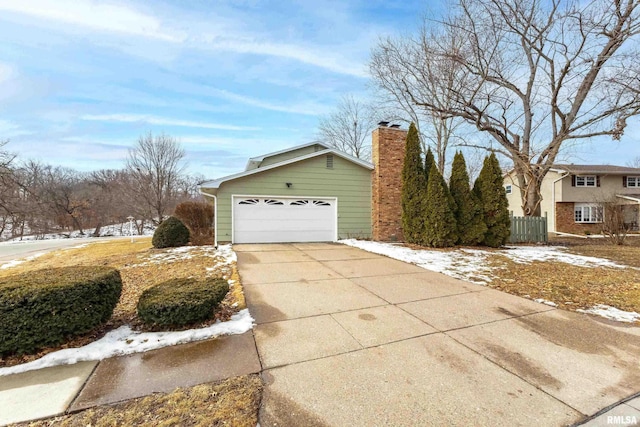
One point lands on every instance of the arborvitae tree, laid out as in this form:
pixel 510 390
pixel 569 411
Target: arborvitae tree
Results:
pixel 429 162
pixel 439 220
pixel 414 189
pixel 493 201
pixel 468 214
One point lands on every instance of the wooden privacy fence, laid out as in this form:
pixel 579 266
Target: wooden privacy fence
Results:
pixel 528 229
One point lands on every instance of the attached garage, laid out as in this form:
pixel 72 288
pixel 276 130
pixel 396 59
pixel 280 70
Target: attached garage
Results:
pixel 280 219
pixel 309 193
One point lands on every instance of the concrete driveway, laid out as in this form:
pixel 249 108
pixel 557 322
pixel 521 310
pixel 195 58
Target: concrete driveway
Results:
pixel 346 337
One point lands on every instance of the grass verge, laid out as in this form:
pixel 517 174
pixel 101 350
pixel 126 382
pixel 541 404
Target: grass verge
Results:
pixel 234 402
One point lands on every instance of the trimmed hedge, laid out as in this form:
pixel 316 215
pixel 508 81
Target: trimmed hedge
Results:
pixel 45 307
pixel 179 302
pixel 170 233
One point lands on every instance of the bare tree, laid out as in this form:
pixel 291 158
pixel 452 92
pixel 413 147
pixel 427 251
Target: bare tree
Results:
pixel 634 163
pixel 156 164
pixel 399 63
pixel 349 128
pixel 534 75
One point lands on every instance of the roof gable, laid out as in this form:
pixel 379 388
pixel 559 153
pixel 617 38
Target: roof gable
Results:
pixel 255 162
pixel 214 184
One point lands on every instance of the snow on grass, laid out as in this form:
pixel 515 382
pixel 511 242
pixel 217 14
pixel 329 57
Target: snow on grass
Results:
pixel 115 230
pixel 527 254
pixel 612 313
pixel 464 264
pixel 19 261
pixel 224 253
pixel 472 264
pixel 124 341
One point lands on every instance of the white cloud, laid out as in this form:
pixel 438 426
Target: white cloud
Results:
pixel 304 54
pixel 310 110
pixel 94 15
pixel 6 72
pixel 116 18
pixel 10 129
pixel 142 118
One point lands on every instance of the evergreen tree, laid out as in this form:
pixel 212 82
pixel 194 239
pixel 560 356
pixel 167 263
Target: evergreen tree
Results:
pixel 429 163
pixel 471 226
pixel 439 220
pixel 414 189
pixel 493 201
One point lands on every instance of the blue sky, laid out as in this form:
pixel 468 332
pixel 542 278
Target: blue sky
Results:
pixel 81 80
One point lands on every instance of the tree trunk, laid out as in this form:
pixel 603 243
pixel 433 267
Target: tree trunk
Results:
pixel 530 184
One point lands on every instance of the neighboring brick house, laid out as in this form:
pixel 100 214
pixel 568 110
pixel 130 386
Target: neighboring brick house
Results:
pixel 572 196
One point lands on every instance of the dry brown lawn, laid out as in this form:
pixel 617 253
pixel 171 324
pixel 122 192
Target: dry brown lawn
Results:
pixel 141 266
pixel 233 402
pixel 571 287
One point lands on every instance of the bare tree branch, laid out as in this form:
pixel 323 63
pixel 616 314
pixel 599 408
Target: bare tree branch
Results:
pixel 530 74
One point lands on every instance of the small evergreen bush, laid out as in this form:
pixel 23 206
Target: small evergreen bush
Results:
pixel 179 302
pixel 440 222
pixel 170 233
pixel 490 193
pixel 471 226
pixel 45 307
pixel 198 217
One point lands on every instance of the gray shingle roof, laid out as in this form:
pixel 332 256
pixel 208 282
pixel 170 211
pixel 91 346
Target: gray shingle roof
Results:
pixel 598 169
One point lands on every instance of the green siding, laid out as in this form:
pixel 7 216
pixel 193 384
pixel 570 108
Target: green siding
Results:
pixel 291 155
pixel 350 183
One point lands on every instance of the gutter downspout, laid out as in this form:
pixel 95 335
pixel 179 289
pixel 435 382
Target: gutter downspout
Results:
pixel 553 199
pixel 215 216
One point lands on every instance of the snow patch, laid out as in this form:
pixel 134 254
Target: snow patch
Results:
pixel 527 254
pixel 124 341
pixel 114 230
pixel 19 261
pixel 472 264
pixel 546 302
pixel 612 313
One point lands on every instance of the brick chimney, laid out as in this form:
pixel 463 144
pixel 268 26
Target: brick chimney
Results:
pixel 387 153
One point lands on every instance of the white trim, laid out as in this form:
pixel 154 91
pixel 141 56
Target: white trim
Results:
pixel 269 196
pixel 553 198
pixel 622 196
pixel 217 182
pixel 215 216
pixel 259 159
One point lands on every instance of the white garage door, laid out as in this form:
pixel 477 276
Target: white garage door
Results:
pixel 272 220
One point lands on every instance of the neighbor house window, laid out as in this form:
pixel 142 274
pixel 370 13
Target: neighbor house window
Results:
pixel 586 181
pixel 507 189
pixel 633 181
pixel 588 212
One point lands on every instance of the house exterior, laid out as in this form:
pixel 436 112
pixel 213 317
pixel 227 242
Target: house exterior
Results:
pixel 312 193
pixel 573 196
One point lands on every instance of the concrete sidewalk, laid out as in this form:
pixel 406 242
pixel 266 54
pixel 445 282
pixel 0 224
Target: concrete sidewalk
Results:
pixel 346 337
pixel 62 389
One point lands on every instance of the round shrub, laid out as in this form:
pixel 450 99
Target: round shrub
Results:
pixel 178 302
pixel 170 233
pixel 46 307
